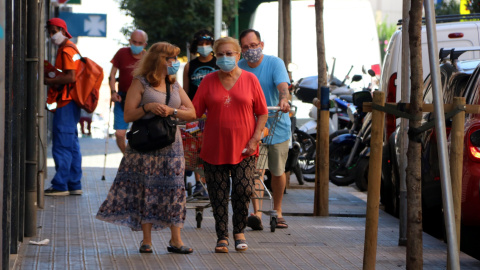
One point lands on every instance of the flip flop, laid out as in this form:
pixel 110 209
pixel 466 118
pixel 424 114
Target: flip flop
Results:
pixel 281 223
pixel 255 223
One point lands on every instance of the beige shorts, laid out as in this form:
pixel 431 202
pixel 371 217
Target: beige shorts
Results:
pixel 273 157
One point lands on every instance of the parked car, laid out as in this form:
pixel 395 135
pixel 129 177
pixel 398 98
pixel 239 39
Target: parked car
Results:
pixel 459 79
pixel 452 31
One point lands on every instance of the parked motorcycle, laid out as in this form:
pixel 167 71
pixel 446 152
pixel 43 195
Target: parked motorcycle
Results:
pixel 349 152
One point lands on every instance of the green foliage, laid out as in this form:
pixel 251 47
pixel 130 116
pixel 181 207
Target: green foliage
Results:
pixel 447 8
pixel 473 6
pixel 385 32
pixel 174 21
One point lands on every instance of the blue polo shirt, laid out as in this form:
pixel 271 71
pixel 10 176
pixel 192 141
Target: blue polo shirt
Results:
pixel 271 72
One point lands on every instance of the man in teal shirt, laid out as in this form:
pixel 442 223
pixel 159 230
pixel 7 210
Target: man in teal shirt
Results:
pixel 272 74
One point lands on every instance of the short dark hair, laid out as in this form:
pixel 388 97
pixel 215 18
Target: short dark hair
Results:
pixel 197 37
pixel 248 31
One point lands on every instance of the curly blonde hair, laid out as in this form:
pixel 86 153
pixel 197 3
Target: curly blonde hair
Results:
pixel 155 58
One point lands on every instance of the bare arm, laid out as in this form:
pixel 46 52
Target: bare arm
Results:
pixel 186 80
pixel 68 76
pixel 134 96
pixel 257 135
pixel 283 97
pixel 112 82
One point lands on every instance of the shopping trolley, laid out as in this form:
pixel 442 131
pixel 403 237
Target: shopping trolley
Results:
pixel 274 115
pixel 192 136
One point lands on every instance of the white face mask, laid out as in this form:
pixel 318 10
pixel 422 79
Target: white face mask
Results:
pixel 58 38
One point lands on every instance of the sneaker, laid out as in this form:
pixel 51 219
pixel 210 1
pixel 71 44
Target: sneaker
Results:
pixel 76 192
pixel 53 192
pixel 198 189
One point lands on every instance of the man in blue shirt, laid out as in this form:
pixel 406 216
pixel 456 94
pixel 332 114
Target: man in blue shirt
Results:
pixel 272 74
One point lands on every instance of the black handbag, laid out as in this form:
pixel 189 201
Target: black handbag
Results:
pixel 155 133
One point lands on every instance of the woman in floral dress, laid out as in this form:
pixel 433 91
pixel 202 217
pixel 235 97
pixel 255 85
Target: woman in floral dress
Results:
pixel 148 192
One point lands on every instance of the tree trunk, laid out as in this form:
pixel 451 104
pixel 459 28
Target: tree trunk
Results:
pixel 414 177
pixel 287 34
pixel 320 207
pixel 322 67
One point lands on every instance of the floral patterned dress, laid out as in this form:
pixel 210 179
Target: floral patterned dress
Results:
pixel 149 187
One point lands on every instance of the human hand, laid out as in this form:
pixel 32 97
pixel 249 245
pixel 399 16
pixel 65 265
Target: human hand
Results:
pixel 160 109
pixel 116 97
pixel 251 147
pixel 284 105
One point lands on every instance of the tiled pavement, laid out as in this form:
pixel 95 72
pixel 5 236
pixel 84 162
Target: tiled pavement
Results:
pixel 79 241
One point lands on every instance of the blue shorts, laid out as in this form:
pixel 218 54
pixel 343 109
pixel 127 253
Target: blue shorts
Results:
pixel 118 122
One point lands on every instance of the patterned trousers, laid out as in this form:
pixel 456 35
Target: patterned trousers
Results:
pixel 218 185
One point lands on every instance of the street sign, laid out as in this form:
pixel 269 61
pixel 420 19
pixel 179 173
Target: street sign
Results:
pixel 76 2
pixel 84 24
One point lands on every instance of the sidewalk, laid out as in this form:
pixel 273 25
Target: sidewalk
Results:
pixel 79 241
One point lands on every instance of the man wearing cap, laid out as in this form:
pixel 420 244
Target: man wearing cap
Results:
pixel 65 145
pixel 125 61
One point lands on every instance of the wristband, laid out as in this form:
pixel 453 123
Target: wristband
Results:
pixel 143 107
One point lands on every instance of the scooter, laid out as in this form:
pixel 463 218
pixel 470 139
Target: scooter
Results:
pixel 340 100
pixel 348 151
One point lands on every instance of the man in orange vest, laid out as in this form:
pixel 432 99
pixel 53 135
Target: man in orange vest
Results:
pixel 65 145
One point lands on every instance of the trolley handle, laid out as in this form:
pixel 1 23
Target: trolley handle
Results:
pixel 277 108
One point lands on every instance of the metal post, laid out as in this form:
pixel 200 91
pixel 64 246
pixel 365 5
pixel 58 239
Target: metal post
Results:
pixel 3 83
pixel 7 175
pixel 31 117
pixel 218 18
pixel 41 113
pixel 23 126
pixel 236 19
pixel 441 136
pixel 402 237
pixel 17 89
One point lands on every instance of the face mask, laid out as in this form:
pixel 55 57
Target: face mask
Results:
pixel 174 68
pixel 226 63
pixel 204 50
pixel 253 55
pixel 136 49
pixel 58 38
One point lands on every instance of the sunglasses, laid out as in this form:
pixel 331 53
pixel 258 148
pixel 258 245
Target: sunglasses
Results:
pixel 205 38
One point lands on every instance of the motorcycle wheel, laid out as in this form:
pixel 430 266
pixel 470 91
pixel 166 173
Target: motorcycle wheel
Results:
pixel 338 174
pixel 362 174
pixel 306 159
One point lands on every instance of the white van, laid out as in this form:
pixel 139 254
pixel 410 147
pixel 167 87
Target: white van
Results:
pixel 449 35
pixel 350 35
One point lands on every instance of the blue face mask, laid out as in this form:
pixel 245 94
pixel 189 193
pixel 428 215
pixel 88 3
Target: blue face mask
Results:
pixel 174 68
pixel 226 63
pixel 204 50
pixel 136 49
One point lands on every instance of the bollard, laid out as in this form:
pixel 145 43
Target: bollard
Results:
pixel 456 164
pixel 374 178
pixel 320 205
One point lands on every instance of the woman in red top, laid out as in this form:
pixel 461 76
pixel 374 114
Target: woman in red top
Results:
pixel 237 113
